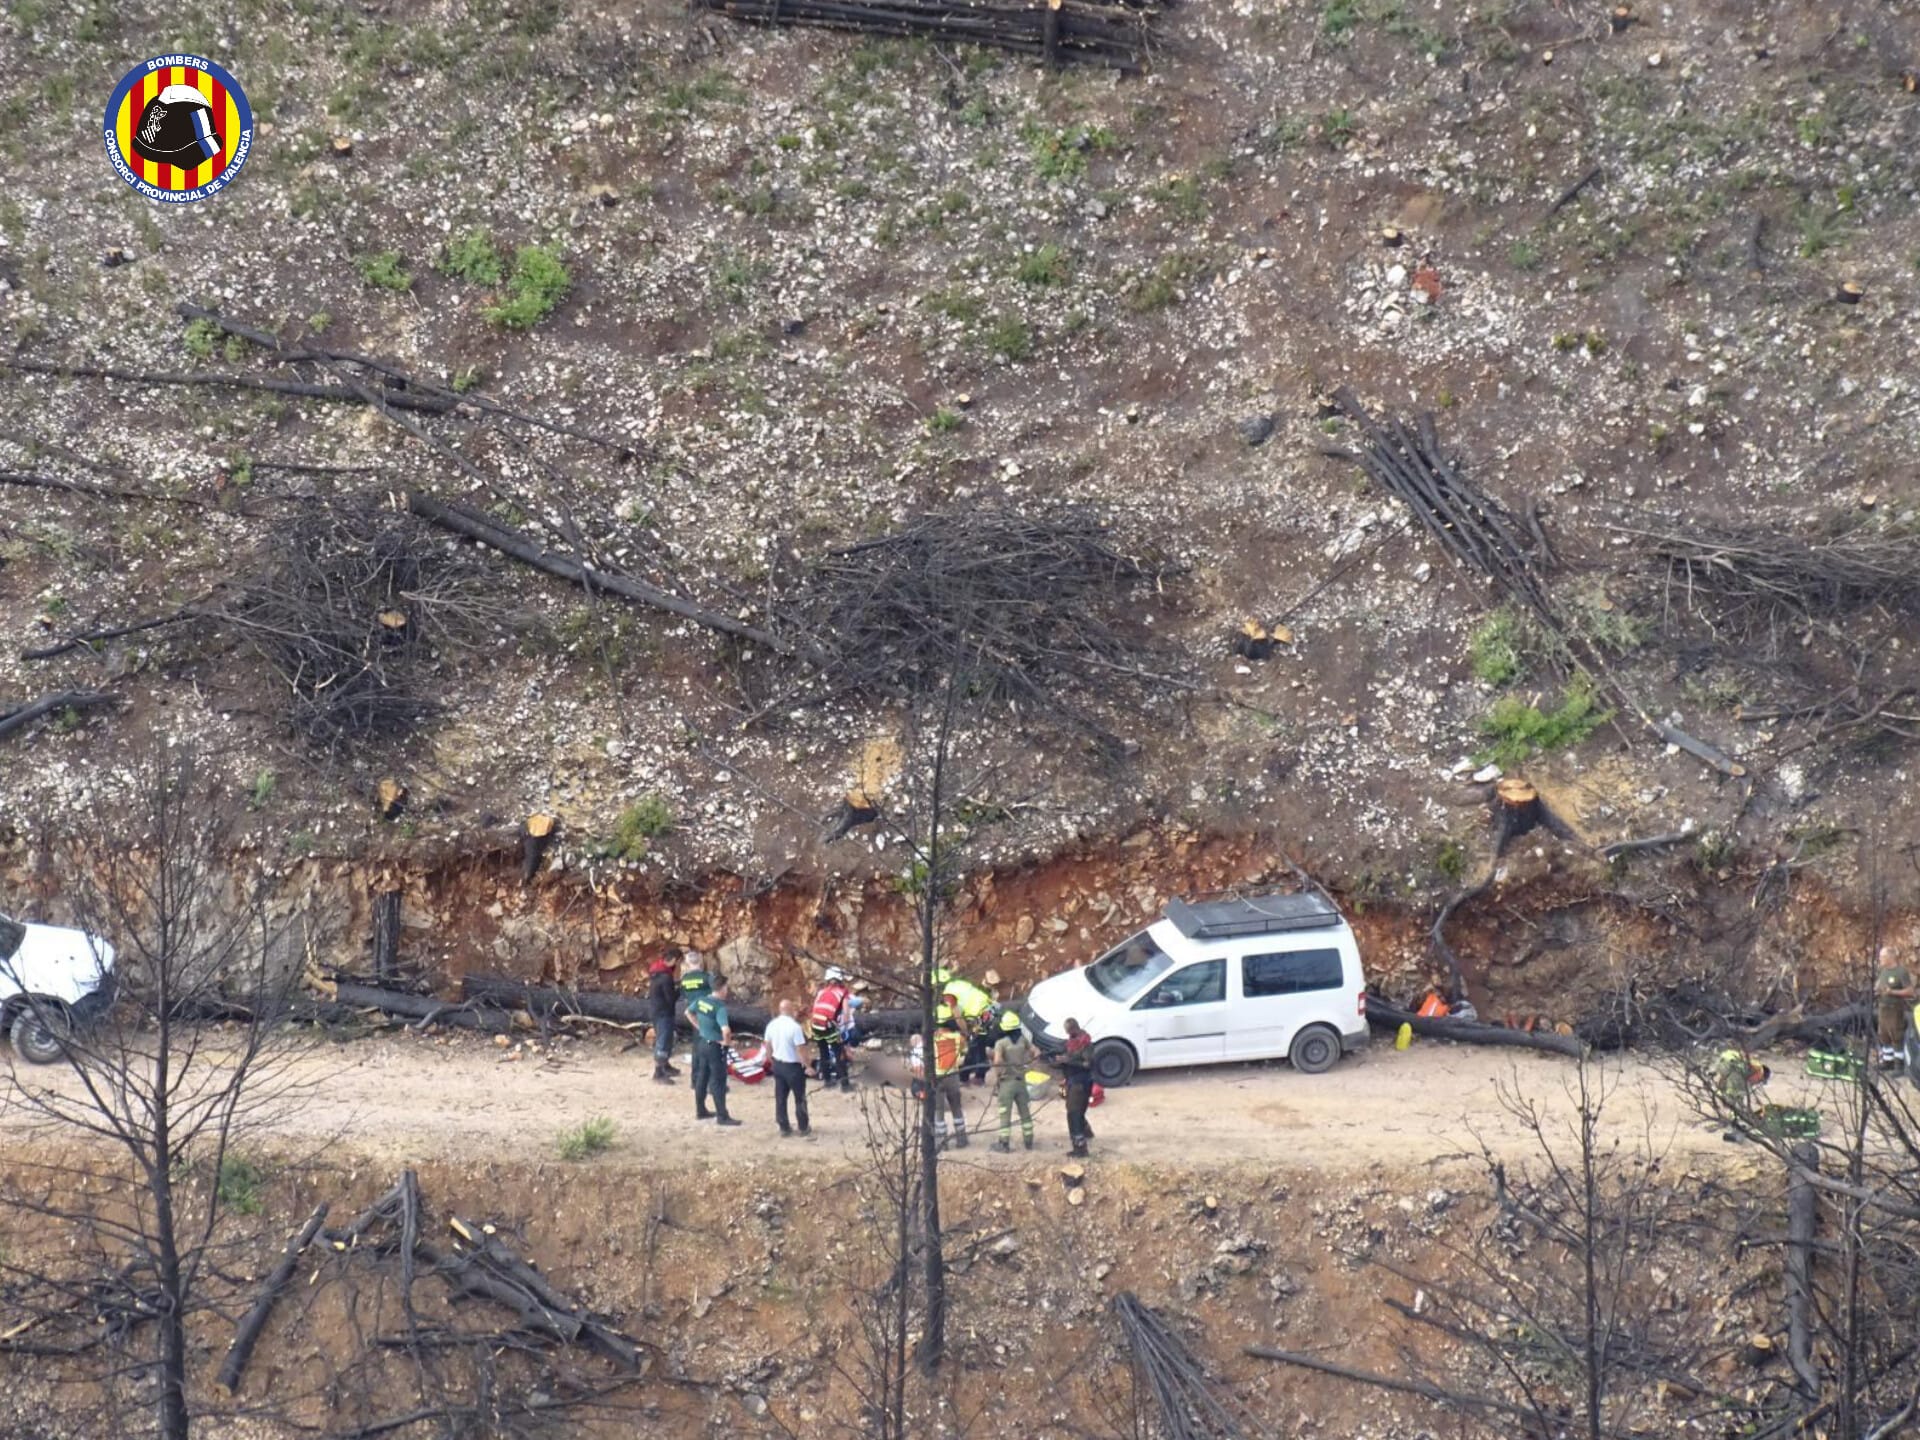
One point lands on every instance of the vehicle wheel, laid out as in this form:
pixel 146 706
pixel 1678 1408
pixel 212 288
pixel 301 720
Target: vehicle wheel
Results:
pixel 1113 1063
pixel 1314 1050
pixel 37 1035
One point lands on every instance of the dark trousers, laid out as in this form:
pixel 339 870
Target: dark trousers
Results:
pixel 973 1068
pixel 1078 1097
pixel 790 1078
pixel 833 1058
pixel 662 1037
pixel 709 1076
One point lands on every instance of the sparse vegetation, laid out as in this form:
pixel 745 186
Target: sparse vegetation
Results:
pixel 944 421
pixel 538 283
pixel 589 1138
pixel 1518 730
pixel 1009 336
pixel 473 258
pixel 1496 649
pixel 240 1185
pixel 384 270
pixel 1044 266
pixel 646 820
pixel 200 339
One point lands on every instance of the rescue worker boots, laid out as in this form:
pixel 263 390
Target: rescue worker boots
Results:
pixel 662 1073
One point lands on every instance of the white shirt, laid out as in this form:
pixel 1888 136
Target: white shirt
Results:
pixel 784 1038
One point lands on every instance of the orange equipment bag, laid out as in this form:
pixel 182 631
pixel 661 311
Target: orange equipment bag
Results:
pixel 1433 1007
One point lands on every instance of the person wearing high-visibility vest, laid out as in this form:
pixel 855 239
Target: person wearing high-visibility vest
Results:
pixel 948 1046
pixel 1736 1076
pixel 966 1006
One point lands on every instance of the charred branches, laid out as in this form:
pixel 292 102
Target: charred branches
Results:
pixel 1088 31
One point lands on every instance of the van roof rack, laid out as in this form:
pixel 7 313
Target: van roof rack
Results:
pixel 1239 914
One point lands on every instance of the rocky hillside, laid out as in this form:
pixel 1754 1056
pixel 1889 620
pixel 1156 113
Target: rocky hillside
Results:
pixel 705 303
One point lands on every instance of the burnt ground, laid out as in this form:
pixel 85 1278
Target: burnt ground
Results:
pixel 818 283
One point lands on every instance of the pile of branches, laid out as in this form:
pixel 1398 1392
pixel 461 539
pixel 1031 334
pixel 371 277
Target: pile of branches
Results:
pixel 1100 32
pixel 355 609
pixel 1023 609
pixel 1758 574
pixel 1185 1403
pixel 1474 527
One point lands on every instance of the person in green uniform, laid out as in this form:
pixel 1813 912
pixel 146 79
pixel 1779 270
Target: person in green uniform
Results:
pixel 712 1034
pixel 1892 999
pixel 1012 1058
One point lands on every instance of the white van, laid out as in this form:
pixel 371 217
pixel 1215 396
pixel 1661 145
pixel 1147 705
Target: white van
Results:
pixel 52 980
pixel 1243 977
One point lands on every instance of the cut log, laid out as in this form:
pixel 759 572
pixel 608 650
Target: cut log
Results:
pixel 1073 1173
pixel 1758 1350
pixel 25 715
pixel 1382 1015
pixel 423 1009
pixel 542 1000
pixel 247 1334
pixel 535 836
pixel 1253 642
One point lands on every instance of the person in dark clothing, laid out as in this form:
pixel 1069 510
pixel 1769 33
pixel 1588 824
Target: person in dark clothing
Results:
pixel 1076 1070
pixel 712 1036
pixel 663 992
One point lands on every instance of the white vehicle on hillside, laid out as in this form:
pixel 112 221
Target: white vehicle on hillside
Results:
pixel 51 980
pixel 1244 977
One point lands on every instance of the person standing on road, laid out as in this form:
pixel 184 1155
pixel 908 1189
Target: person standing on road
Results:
pixel 1076 1069
pixel 948 1048
pixel 785 1040
pixel 1892 997
pixel 712 1036
pixel 1012 1057
pixel 826 1027
pixel 663 993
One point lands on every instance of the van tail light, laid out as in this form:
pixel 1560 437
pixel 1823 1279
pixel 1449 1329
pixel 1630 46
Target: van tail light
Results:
pixel 1360 1008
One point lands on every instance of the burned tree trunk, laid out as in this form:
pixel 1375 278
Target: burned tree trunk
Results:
pixel 1801 1214
pixel 535 836
pixel 247 1335
pixel 386 936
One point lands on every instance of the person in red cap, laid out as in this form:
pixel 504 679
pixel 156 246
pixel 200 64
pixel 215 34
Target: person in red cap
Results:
pixel 663 992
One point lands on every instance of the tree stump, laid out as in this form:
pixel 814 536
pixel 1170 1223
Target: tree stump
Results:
pixel 535 836
pixel 1253 642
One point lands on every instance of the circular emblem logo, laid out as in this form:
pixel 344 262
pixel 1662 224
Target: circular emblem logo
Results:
pixel 178 128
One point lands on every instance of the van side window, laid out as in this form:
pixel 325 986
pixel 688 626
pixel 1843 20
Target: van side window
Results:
pixel 1198 984
pixel 1292 972
pixel 12 935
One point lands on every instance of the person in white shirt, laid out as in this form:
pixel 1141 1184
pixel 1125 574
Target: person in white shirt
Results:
pixel 786 1041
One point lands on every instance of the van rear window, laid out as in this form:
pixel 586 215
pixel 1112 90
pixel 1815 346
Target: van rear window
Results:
pixel 1127 969
pixel 12 934
pixel 1291 972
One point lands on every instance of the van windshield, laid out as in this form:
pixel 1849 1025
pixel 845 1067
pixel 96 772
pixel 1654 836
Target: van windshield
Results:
pixel 1129 968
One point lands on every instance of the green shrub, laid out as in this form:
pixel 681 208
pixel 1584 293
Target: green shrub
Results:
pixel 944 421
pixel 239 1185
pixel 1450 860
pixel 646 819
pixel 538 283
pixel 264 784
pixel 1010 336
pixel 200 338
pixel 1518 731
pixel 1497 649
pixel 385 270
pixel 589 1138
pixel 1045 266
pixel 473 258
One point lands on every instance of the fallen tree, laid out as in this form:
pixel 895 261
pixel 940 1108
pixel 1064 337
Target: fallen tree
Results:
pixel 1384 1015
pixel 549 1002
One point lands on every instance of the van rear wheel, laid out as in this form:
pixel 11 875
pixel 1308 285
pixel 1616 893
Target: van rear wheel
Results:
pixel 39 1034
pixel 1113 1063
pixel 1314 1050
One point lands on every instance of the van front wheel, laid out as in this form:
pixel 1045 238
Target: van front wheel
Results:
pixel 39 1033
pixel 1113 1063
pixel 1314 1050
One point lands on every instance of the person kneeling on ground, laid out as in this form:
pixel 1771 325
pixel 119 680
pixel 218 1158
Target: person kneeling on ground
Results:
pixel 785 1041
pixel 713 1035
pixel 1012 1058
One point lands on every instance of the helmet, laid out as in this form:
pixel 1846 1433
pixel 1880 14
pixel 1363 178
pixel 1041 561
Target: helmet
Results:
pixel 1009 1021
pixel 835 973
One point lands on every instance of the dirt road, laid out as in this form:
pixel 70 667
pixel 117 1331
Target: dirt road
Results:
pixel 424 1097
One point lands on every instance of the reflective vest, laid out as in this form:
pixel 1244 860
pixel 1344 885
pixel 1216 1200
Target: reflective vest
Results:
pixel 972 1000
pixel 948 1051
pixel 827 1007
pixel 694 984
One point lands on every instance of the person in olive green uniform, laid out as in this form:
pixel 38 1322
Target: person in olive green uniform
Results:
pixel 708 1011
pixel 1012 1058
pixel 1892 1000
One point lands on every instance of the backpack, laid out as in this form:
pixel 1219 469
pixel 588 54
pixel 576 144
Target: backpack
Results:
pixel 747 1060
